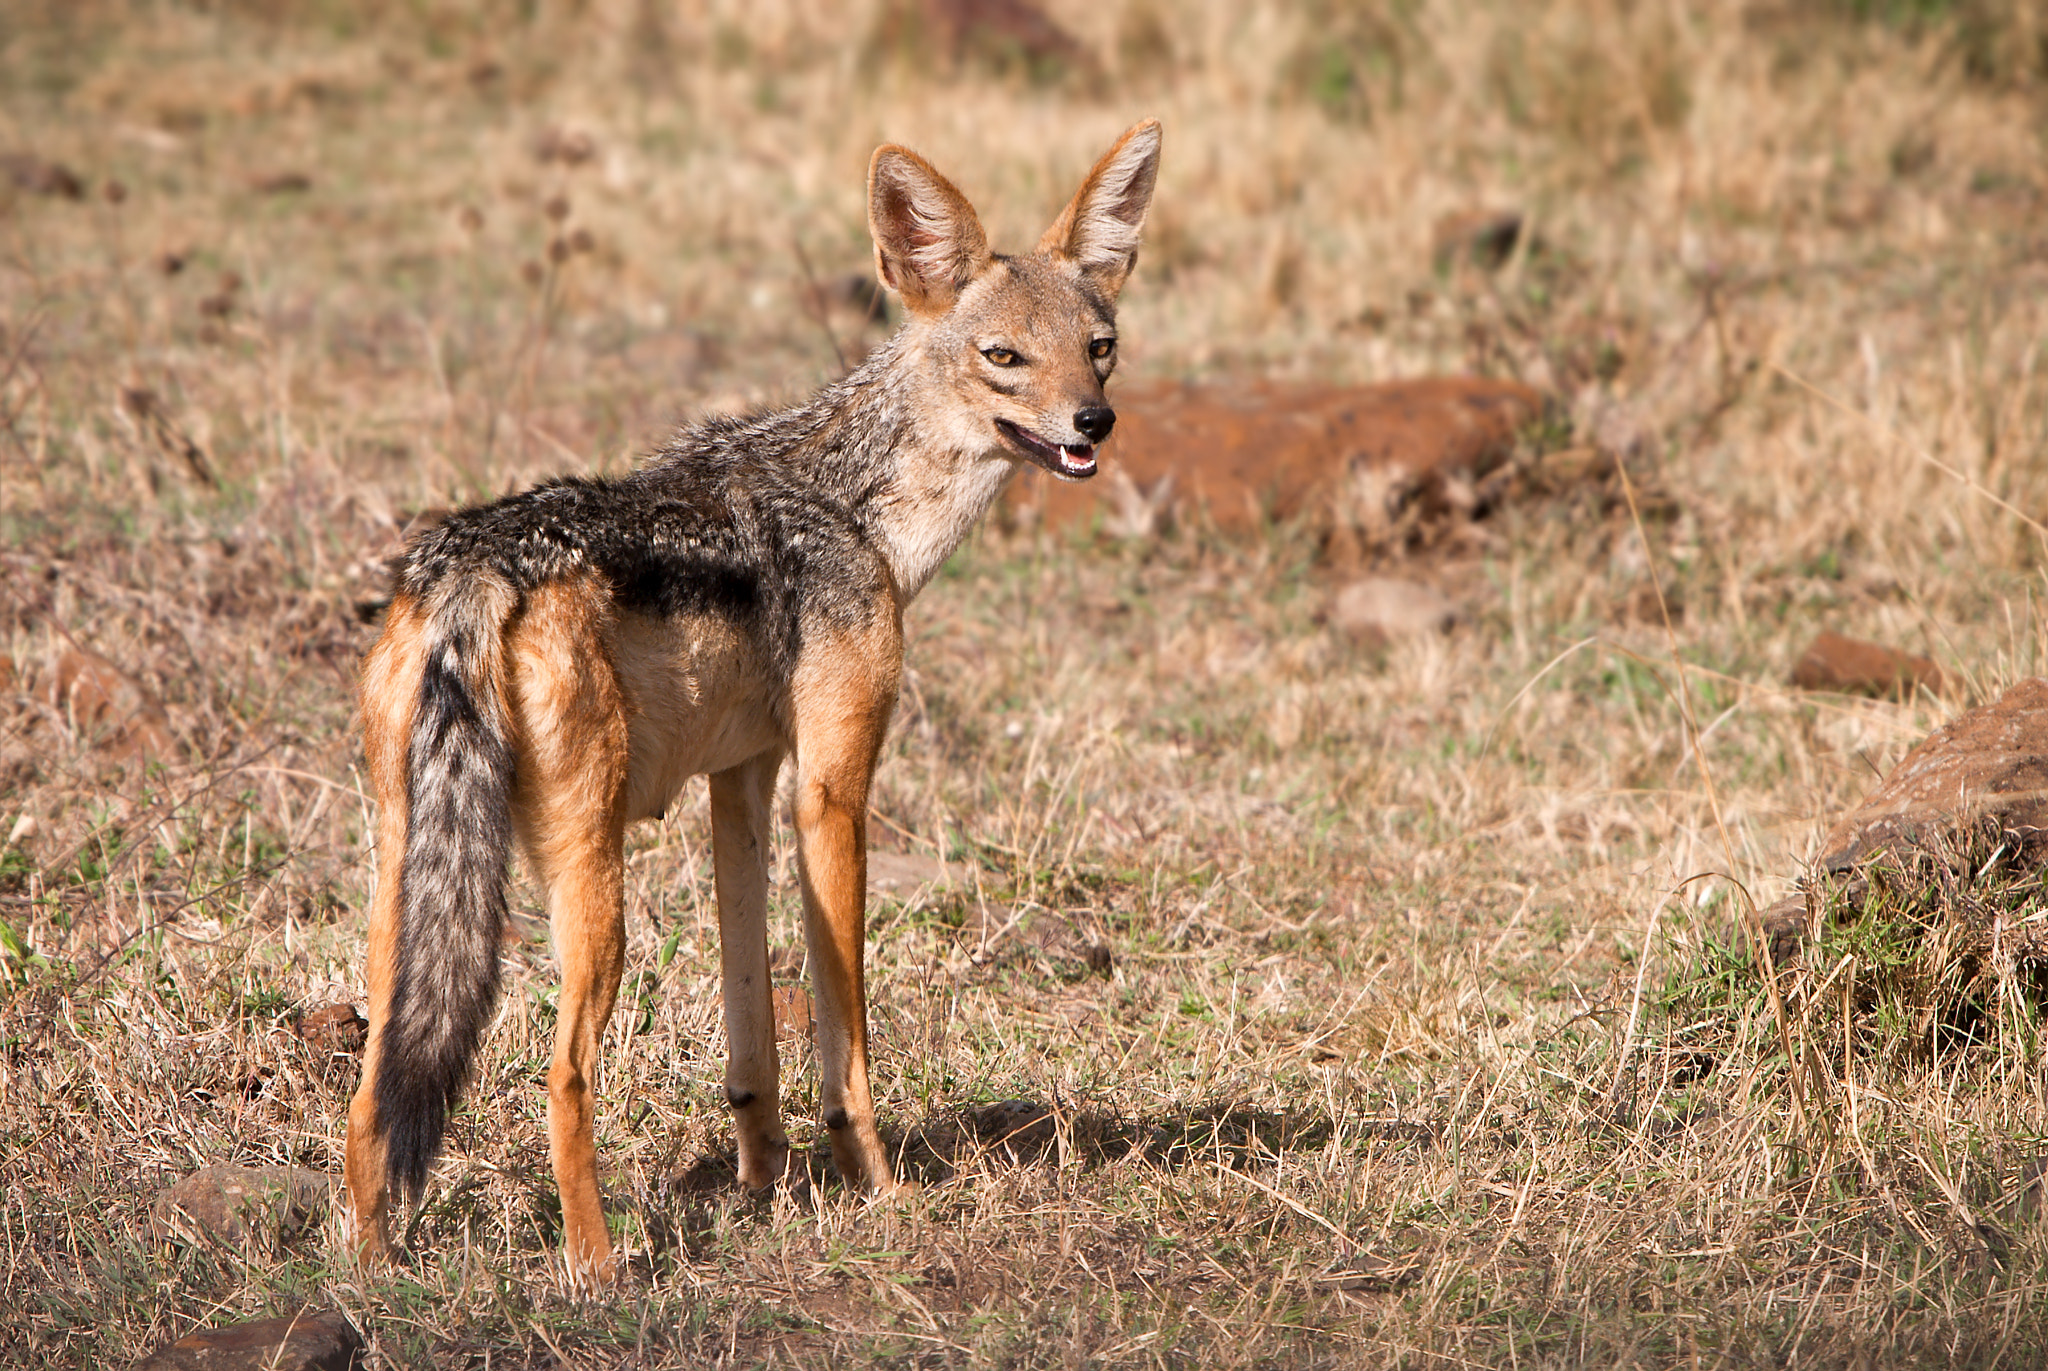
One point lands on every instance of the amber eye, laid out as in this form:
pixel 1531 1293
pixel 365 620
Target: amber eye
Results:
pixel 1101 348
pixel 1002 357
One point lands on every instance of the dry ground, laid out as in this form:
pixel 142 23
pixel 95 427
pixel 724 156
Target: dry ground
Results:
pixel 1424 1035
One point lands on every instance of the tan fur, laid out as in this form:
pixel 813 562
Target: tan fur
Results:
pixel 569 807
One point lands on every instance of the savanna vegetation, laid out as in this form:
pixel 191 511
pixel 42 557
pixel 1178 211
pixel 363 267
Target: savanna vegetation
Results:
pixel 1298 1001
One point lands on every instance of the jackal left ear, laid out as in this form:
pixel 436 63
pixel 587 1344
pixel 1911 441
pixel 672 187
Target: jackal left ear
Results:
pixel 1099 227
pixel 929 242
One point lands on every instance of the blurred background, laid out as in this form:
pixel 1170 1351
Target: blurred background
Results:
pixel 535 233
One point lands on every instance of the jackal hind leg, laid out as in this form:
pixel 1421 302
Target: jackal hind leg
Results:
pixel 389 692
pixel 741 799
pixel 844 695
pixel 570 805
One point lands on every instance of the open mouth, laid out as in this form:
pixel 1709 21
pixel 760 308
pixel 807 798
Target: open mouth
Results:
pixel 1073 462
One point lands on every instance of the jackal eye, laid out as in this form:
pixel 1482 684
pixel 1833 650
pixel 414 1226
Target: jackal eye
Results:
pixel 1101 348
pixel 1002 356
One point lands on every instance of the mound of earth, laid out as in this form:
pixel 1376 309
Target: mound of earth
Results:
pixel 1968 804
pixel 1359 461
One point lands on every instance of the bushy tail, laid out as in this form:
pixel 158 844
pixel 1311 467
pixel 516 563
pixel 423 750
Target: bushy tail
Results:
pixel 459 771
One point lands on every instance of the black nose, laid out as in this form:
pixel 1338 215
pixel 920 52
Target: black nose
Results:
pixel 1095 422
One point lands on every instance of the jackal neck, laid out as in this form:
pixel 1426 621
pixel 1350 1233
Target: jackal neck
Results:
pixel 917 474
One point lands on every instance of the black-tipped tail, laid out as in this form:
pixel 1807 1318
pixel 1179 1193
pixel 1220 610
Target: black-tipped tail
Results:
pixel 451 892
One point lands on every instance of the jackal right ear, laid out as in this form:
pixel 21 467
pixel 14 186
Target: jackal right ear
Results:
pixel 929 242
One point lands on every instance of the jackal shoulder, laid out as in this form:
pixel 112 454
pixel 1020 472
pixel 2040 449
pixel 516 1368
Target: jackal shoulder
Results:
pixel 708 527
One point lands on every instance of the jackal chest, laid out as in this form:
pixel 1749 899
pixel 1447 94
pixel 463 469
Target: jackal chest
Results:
pixel 699 699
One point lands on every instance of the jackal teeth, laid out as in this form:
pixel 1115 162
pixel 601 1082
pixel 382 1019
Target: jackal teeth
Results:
pixel 1070 461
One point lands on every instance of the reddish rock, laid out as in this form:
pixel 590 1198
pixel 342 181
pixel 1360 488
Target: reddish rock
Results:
pixel 1852 666
pixel 116 711
pixel 235 1205
pixel 1265 450
pixel 1991 763
pixel 306 1342
pixel 336 1029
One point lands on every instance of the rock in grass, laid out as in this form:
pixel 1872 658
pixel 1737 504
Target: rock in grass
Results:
pixel 105 704
pixel 1853 666
pixel 1988 767
pixel 1484 237
pixel 335 1029
pixel 1382 610
pixel 238 1206
pixel 40 176
pixel 1019 1127
pixel 1990 763
pixel 1358 464
pixel 322 1341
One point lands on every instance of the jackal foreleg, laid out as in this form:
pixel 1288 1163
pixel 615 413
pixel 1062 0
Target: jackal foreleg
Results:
pixel 832 833
pixel 740 812
pixel 843 707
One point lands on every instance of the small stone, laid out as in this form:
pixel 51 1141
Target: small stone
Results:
pixel 281 183
pixel 236 1206
pixel 1853 666
pixel 310 1341
pixel 1786 928
pixel 1382 610
pixel 1484 237
pixel 39 176
pixel 1015 1125
pixel 336 1029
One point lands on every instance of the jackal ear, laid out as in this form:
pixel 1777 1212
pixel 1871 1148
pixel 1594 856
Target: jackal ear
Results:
pixel 929 242
pixel 1099 227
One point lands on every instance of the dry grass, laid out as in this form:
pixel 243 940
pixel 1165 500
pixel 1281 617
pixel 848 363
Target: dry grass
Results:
pixel 1421 1039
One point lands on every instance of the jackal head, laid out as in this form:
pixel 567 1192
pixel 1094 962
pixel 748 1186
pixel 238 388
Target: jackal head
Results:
pixel 1017 347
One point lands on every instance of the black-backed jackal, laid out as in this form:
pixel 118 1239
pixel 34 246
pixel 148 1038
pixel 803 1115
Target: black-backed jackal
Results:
pixel 558 664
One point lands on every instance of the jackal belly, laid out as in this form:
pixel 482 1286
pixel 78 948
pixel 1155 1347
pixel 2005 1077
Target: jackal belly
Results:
pixel 700 699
